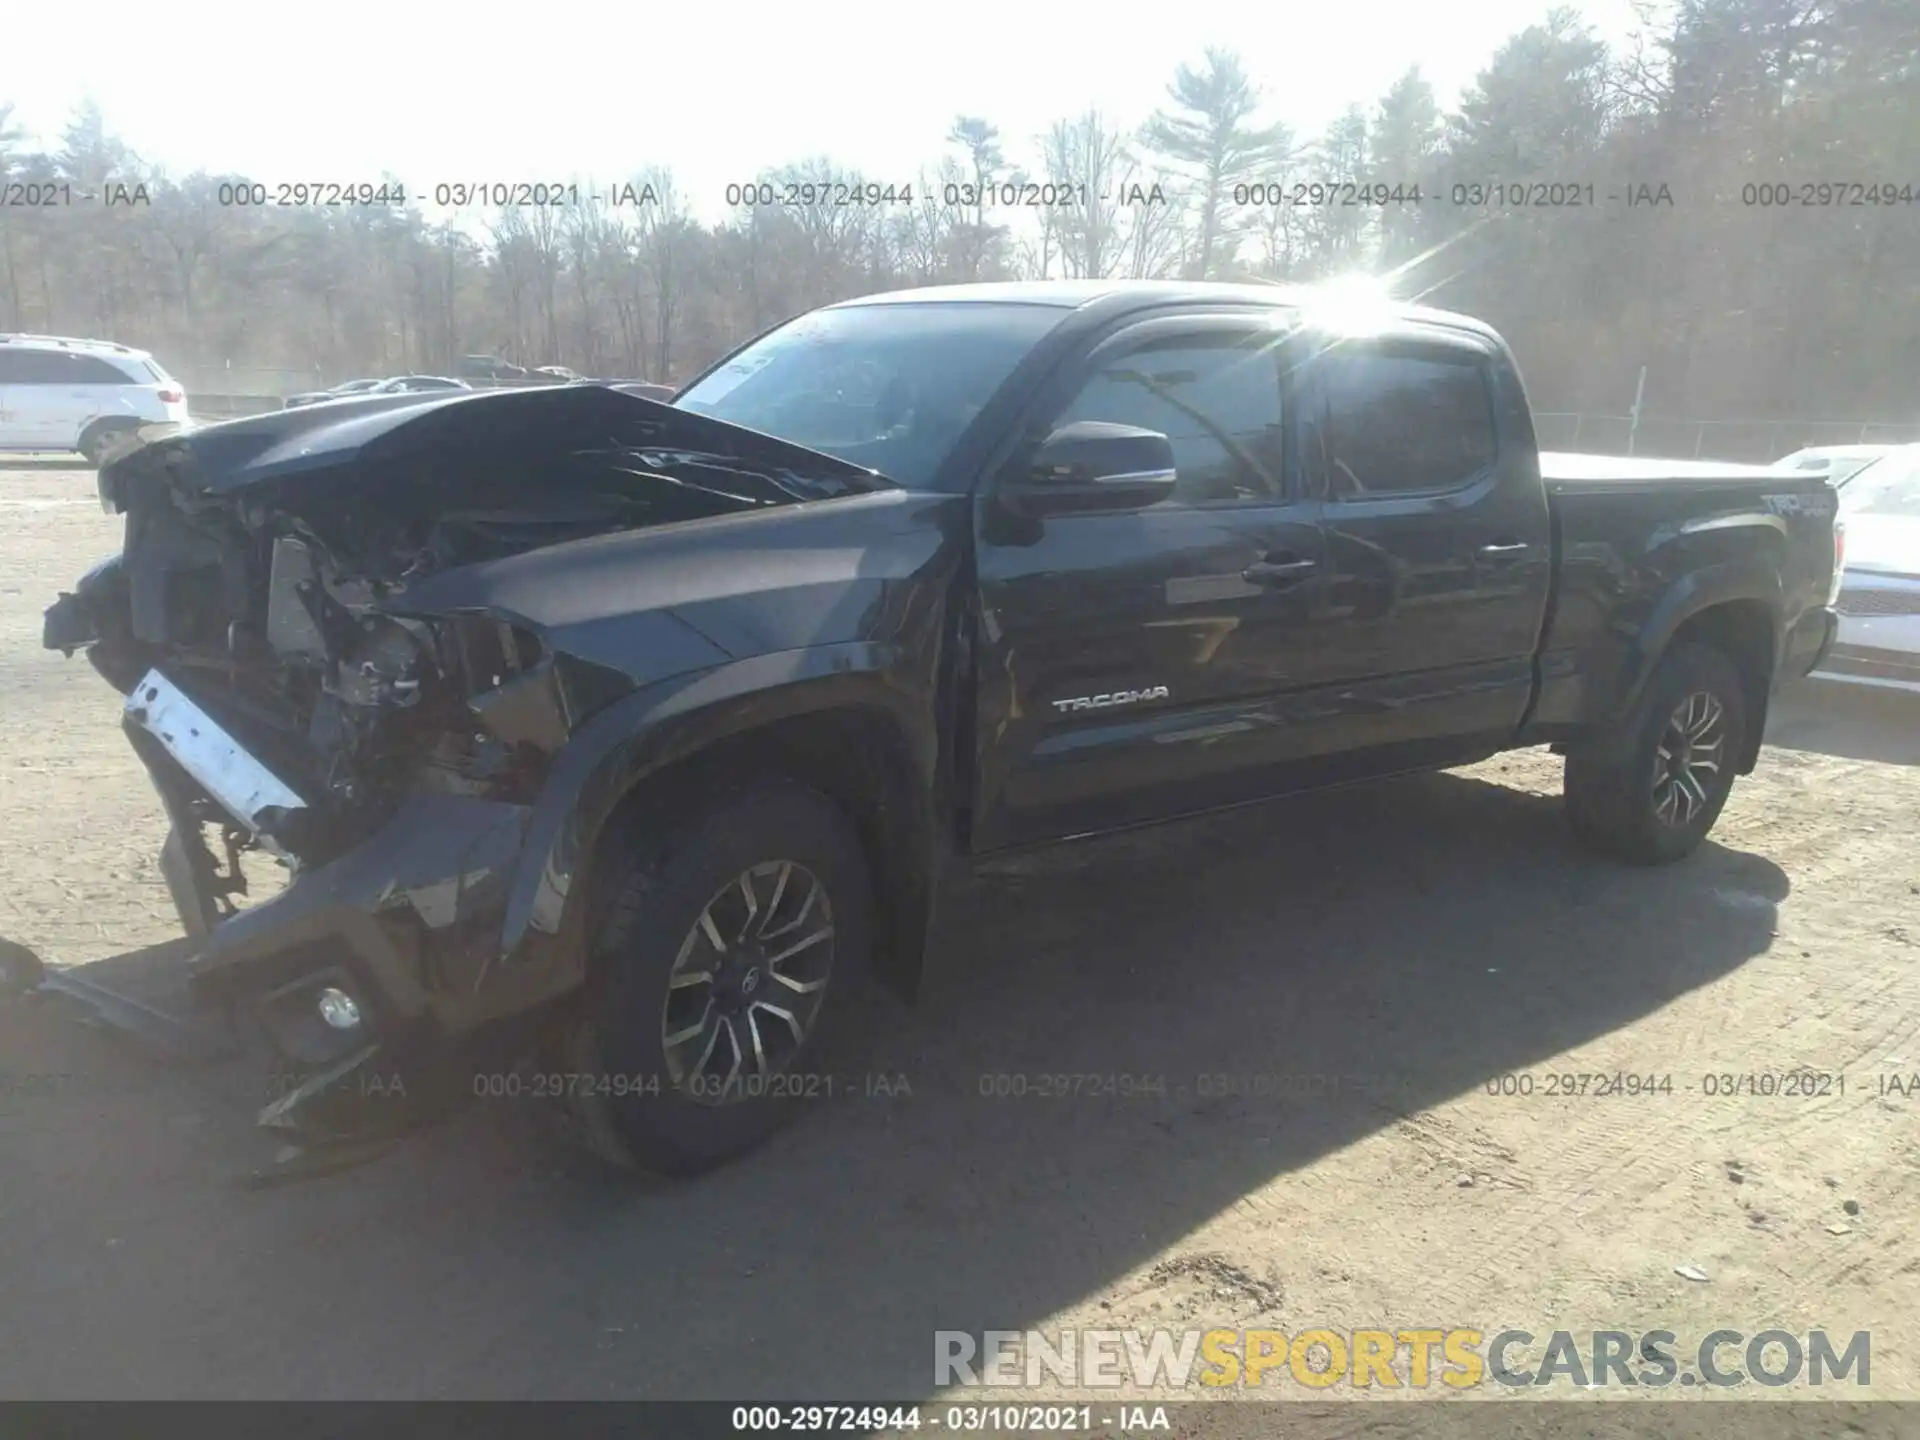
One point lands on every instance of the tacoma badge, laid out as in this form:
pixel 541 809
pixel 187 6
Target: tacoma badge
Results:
pixel 1118 697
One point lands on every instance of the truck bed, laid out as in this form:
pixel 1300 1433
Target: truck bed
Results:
pixel 1628 531
pixel 1565 471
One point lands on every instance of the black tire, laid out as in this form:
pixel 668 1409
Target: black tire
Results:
pixel 1617 806
pixel 20 969
pixel 103 436
pixel 658 1125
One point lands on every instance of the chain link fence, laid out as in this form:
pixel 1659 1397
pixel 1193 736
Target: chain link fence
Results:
pixel 1747 441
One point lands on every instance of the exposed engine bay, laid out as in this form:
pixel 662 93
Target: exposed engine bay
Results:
pixel 259 616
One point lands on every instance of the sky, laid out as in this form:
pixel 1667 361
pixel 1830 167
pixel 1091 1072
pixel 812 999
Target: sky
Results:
pixel 495 90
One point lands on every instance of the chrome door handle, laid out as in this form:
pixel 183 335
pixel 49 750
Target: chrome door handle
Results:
pixel 1278 572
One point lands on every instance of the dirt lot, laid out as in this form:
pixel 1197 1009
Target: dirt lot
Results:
pixel 1409 943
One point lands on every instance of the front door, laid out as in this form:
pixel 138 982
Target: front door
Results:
pixel 1129 663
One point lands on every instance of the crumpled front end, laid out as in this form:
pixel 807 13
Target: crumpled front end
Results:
pixel 311 679
pixel 363 980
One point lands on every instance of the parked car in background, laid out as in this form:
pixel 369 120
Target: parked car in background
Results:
pixel 489 367
pixel 394 385
pixel 645 390
pixel 1878 643
pixel 61 393
pixel 558 372
pixel 333 392
pixel 1841 462
pixel 416 385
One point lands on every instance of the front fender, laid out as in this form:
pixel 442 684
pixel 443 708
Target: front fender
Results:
pixel 661 725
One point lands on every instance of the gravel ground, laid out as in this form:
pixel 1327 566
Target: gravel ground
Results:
pixel 1408 943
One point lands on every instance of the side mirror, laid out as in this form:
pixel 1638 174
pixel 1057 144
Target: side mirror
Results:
pixel 1093 467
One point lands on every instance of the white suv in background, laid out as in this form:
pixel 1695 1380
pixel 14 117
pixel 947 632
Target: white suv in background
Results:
pixel 58 393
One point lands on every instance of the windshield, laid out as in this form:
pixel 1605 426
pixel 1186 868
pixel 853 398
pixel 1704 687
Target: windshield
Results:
pixel 887 387
pixel 1839 465
pixel 1889 486
pixel 1846 467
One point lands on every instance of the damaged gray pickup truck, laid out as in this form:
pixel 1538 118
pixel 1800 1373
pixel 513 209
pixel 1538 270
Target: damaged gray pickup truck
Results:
pixel 638 738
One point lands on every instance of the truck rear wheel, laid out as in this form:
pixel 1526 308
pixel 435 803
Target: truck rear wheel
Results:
pixel 1648 790
pixel 730 978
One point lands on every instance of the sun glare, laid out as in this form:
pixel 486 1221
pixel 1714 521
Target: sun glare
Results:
pixel 1351 304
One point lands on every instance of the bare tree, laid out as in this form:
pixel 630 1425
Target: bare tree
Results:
pixel 1084 159
pixel 1663 244
pixel 665 234
pixel 12 241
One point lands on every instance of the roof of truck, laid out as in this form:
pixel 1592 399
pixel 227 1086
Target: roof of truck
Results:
pixel 1147 294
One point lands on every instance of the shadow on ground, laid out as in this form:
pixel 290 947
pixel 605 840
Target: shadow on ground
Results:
pixel 1850 722
pixel 1412 939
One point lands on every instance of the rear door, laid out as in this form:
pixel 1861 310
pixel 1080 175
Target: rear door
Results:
pixel 32 399
pixel 98 387
pixel 1439 544
pixel 74 391
pixel 12 420
pixel 1129 663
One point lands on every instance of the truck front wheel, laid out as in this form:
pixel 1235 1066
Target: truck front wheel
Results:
pixel 1649 789
pixel 730 982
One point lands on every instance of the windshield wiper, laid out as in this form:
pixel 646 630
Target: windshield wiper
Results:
pixel 823 488
pixel 743 481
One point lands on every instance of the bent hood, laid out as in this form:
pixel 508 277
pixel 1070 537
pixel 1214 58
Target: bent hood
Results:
pixel 374 599
pixel 282 537
pixel 521 426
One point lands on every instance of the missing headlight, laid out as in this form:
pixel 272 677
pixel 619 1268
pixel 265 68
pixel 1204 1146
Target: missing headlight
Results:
pixel 512 689
pixel 487 652
pixel 496 716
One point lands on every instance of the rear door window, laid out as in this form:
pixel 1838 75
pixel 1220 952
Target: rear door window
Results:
pixel 34 367
pixel 91 370
pixel 1401 422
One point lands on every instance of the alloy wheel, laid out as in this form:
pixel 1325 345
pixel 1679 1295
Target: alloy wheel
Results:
pixel 747 985
pixel 1688 759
